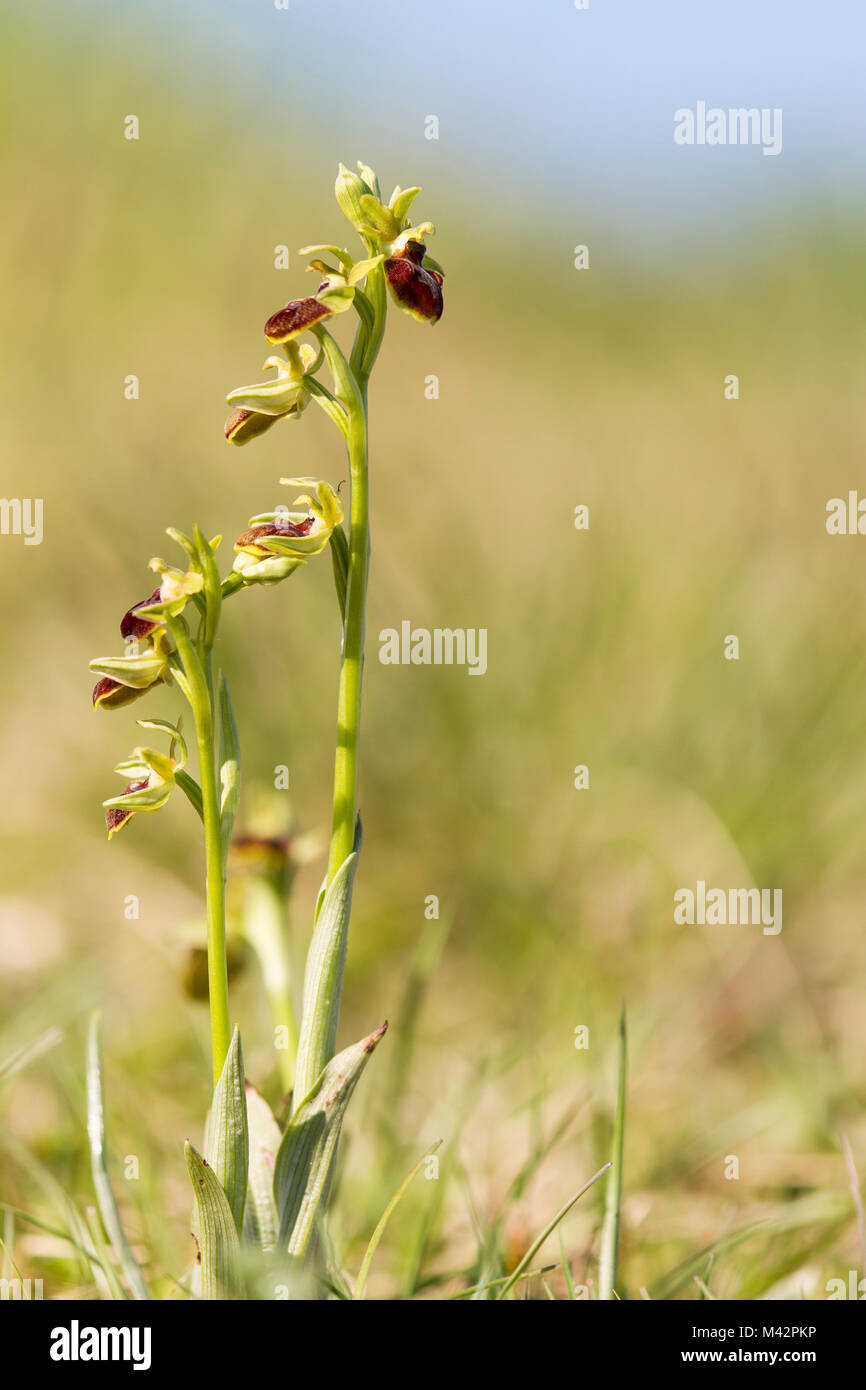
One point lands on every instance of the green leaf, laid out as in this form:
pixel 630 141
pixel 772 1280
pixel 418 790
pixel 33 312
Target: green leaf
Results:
pixel 364 1271
pixel 230 763
pixel 323 978
pixel 99 1169
pixel 218 1238
pixel 609 1249
pixel 227 1134
pixel 304 1160
pixel 261 1223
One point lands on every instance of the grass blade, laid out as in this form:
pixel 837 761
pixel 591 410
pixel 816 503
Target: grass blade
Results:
pixel 23 1056
pixel 571 1287
pixel 475 1289
pixel 551 1226
pixel 364 1271
pixel 101 1181
pixel 609 1253
pixel 854 1184
pixel 114 1289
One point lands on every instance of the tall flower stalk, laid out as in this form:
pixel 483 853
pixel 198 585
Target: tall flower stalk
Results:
pixel 245 1192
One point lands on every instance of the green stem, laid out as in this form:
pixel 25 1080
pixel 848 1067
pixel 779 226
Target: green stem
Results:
pixel 200 681
pixel 323 976
pixel 352 668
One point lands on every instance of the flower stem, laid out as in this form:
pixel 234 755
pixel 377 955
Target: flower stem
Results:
pixel 217 964
pixel 352 667
pixel 201 695
pixel 354 620
pixel 323 977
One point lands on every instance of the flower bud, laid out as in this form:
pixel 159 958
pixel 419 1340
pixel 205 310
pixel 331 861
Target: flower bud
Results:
pixel 350 189
pixel 370 179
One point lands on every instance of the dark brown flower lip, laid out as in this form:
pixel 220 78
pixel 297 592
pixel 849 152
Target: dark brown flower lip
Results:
pixel 131 626
pixel 104 689
pixel 273 528
pixel 116 817
pixel 244 424
pixel 104 686
pixel 416 289
pixel 111 694
pixel 296 317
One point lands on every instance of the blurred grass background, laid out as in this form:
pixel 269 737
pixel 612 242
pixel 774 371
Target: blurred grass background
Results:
pixel 605 647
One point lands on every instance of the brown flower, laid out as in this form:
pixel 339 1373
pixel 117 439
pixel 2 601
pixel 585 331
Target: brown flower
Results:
pixel 250 541
pixel 416 289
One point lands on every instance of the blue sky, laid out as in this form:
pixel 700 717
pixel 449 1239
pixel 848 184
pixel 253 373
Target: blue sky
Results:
pixel 557 103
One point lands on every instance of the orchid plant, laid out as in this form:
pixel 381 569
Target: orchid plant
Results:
pixel 259 1187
